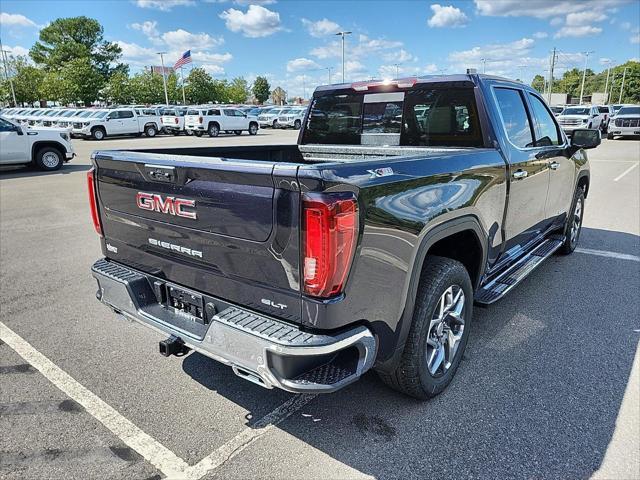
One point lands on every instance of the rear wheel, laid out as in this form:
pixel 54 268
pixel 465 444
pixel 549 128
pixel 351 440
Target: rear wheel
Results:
pixel 150 131
pixel 439 331
pixel 274 124
pixel 609 136
pixel 213 130
pixel 49 158
pixel 197 134
pixel 238 132
pixel 253 128
pixel 188 132
pixel 573 226
pixel 297 124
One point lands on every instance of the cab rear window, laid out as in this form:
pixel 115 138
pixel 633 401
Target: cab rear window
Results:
pixel 419 117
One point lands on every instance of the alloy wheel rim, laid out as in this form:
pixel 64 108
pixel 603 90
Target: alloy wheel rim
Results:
pixel 51 159
pixel 445 332
pixel 577 221
pixel 99 134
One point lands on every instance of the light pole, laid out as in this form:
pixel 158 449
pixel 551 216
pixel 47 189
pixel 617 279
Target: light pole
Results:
pixel 484 65
pixel 6 72
pixel 343 34
pixel 164 77
pixel 328 69
pixel 624 74
pixel 606 84
pixel 397 65
pixel 584 73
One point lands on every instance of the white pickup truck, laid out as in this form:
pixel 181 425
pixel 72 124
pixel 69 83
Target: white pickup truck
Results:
pixel 47 148
pixel 172 120
pixel 118 121
pixel 214 119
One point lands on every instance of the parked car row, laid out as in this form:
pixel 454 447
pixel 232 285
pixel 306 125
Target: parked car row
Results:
pixel 602 117
pixel 100 123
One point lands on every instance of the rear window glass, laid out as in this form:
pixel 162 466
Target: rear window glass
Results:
pixel 576 111
pixel 603 109
pixel 420 117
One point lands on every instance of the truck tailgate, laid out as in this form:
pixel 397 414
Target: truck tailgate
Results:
pixel 226 227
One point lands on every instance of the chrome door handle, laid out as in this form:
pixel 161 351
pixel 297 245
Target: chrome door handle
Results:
pixel 554 165
pixel 520 174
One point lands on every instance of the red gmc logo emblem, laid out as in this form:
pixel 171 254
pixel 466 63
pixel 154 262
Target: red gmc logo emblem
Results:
pixel 169 205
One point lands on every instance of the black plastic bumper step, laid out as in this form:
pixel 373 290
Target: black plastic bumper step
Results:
pixel 499 287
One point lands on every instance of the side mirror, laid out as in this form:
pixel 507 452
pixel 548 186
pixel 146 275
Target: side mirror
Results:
pixel 586 138
pixel 18 130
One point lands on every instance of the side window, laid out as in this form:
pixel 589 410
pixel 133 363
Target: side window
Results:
pixel 238 113
pixel 546 129
pixel 125 114
pixel 514 115
pixel 6 126
pixel 113 115
pixel 229 113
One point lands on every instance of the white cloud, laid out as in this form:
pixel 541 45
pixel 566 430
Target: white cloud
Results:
pixel 447 16
pixel 431 68
pixel 149 29
pixel 16 20
pixel 256 22
pixel 299 64
pixel 321 28
pixel 541 8
pixel 625 25
pixel 582 18
pixel 205 57
pixel 354 68
pixel 254 2
pixel 401 56
pixel 184 40
pixel 358 48
pixel 555 21
pixel 213 69
pixel 635 38
pixel 605 61
pixel 16 51
pixel 540 35
pixel 492 52
pixel 164 5
pixel 134 54
pixel 578 31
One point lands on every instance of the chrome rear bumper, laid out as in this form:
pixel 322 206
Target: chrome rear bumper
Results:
pixel 258 348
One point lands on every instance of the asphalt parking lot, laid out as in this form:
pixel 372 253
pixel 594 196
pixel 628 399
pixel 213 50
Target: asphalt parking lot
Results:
pixel 549 386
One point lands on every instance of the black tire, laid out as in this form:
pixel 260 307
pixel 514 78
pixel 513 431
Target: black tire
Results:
pixel 274 124
pixel 197 134
pixel 253 128
pixel 213 130
pixel 49 159
pixel 297 124
pixel 98 133
pixel 150 131
pixel 238 132
pixel 609 136
pixel 570 241
pixel 412 376
pixel 188 133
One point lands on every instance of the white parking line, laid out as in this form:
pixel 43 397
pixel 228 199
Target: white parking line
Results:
pixel 625 172
pixel 153 451
pixel 172 466
pixel 606 253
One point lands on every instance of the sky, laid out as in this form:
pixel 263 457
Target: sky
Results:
pixel 293 43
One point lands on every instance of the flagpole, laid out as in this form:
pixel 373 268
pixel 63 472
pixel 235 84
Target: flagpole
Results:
pixel 184 98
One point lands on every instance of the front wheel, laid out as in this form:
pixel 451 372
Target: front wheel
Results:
pixel 253 129
pixel 150 131
pixel 573 226
pixel 439 330
pixel 297 124
pixel 98 134
pixel 197 134
pixel 49 158
pixel 609 136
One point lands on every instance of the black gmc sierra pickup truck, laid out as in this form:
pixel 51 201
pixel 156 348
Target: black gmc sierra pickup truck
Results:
pixel 364 246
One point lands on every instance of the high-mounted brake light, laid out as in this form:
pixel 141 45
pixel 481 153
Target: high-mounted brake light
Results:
pixel 93 204
pixel 400 83
pixel 200 119
pixel 330 231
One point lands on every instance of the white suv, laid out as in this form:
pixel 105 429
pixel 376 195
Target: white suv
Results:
pixel 214 119
pixel 626 122
pixel 579 116
pixel 291 118
pixel 48 148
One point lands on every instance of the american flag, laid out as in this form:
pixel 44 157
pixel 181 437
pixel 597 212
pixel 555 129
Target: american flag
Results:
pixel 183 60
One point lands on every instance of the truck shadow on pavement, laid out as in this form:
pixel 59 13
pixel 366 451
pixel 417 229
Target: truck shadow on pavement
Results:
pixel 537 393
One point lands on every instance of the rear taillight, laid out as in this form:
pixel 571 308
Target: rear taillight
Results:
pixel 93 203
pixel 176 120
pixel 330 232
pixel 200 119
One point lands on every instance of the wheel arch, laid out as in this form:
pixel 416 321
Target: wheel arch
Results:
pixel 583 182
pixel 434 242
pixel 37 146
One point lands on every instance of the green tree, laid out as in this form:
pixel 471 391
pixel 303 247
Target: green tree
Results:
pixel 83 81
pixel 147 87
pixel 199 86
pixel 631 91
pixel 118 89
pixel 54 87
pixel 238 90
pixel 261 89
pixel 538 83
pixel 27 80
pixel 67 39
